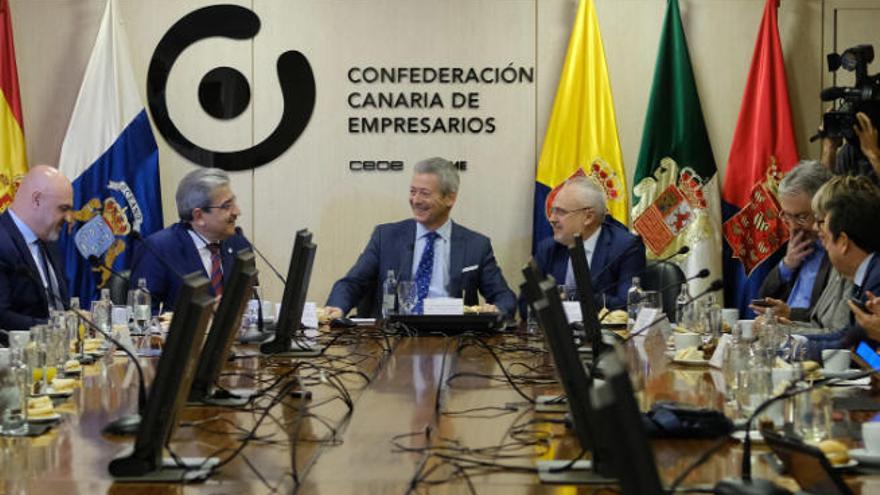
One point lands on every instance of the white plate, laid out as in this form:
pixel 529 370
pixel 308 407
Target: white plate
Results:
pixel 845 374
pixel 755 436
pixel 45 419
pixel 691 362
pixel 865 457
pixel 845 465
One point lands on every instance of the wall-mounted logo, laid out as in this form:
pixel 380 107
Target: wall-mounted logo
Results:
pixel 224 92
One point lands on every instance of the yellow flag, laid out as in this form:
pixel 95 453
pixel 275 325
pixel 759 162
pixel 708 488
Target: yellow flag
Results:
pixel 582 134
pixel 13 162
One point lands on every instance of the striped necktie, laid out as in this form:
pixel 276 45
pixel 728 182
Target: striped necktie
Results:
pixel 216 269
pixel 52 293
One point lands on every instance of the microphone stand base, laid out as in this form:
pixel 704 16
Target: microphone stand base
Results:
pixel 124 426
pixel 755 486
pixel 580 473
pixel 551 404
pixel 229 398
pixel 190 469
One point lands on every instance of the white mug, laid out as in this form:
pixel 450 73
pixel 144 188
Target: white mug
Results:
pixel 745 328
pixel 836 359
pixel 871 436
pixel 685 340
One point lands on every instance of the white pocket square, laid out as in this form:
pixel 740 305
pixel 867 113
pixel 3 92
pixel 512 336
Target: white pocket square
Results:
pixel 469 268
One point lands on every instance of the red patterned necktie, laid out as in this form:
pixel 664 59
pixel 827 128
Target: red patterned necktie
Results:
pixel 216 269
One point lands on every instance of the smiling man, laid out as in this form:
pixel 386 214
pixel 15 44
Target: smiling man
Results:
pixel 614 254
pixel 440 256
pixel 205 239
pixel 31 279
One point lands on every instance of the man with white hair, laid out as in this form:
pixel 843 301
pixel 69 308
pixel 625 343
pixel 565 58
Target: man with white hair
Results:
pixel 32 279
pixel 614 254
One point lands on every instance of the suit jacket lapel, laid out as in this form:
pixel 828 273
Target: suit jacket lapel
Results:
pixel 457 251
pixel 24 253
pixel 821 279
pixel 405 247
pixel 227 259
pixel 600 255
pixel 191 259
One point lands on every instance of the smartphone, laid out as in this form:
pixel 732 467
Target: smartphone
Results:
pixel 867 356
pixel 761 303
pixel 860 304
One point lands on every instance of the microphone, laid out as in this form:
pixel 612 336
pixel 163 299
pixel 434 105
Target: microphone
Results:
pixel 833 93
pixel 135 235
pixel 265 260
pixel 665 259
pixel 126 425
pixel 704 273
pixel 715 286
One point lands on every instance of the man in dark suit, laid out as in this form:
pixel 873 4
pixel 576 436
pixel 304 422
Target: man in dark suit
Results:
pixel 793 287
pixel 614 255
pixel 442 257
pixel 205 240
pixel 32 280
pixel 852 244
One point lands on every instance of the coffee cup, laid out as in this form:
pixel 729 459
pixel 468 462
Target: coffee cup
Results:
pixel 836 359
pixel 871 436
pixel 685 340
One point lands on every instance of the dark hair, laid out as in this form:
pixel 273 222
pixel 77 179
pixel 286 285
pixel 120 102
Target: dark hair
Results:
pixel 850 213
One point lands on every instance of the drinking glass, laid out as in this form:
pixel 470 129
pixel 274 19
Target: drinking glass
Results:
pixel 407 296
pixel 652 299
pixel 813 415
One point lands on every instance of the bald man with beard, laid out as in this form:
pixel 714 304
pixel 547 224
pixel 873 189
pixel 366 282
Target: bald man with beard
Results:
pixel 32 279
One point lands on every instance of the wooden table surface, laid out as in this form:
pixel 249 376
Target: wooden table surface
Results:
pixel 429 414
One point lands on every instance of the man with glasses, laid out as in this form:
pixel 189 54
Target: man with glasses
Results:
pixel 441 257
pixel 614 255
pixel 32 280
pixel 793 287
pixel 206 239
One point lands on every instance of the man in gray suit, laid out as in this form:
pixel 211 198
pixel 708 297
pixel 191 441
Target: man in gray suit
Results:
pixel 793 287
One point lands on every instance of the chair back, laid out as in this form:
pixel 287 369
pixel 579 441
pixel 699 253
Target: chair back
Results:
pixel 668 277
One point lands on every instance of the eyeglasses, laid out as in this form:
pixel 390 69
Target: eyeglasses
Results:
pixel 800 218
pixel 562 212
pixel 225 206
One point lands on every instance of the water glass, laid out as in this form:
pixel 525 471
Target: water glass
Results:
pixel 101 315
pixel 13 394
pixel 407 296
pixel 813 415
pixel 652 299
pixel 753 387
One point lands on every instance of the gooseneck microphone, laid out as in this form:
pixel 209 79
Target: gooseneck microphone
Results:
pixel 126 425
pixel 135 235
pixel 665 259
pixel 704 273
pixel 265 260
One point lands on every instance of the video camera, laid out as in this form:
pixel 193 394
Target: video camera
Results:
pixel 863 96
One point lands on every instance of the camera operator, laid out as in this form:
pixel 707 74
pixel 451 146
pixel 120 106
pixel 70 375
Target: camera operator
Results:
pixel 850 159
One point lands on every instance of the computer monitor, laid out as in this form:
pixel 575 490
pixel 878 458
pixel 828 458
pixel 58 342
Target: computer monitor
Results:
pixel 224 326
pixel 286 341
pixel 622 430
pixel 170 387
pixel 589 313
pixel 575 382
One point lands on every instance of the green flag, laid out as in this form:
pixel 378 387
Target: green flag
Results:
pixel 675 197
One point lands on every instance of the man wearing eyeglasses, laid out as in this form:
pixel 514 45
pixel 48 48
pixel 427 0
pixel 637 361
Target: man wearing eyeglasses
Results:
pixel 614 255
pixel 206 239
pixel 794 286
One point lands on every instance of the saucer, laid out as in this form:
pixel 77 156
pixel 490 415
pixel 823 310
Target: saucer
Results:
pixel 49 418
pixel 865 457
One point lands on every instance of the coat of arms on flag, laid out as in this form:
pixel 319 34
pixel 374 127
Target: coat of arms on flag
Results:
pixel 757 230
pixel 672 203
pixel 9 184
pixel 604 175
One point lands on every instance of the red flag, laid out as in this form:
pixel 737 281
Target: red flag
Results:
pixel 763 148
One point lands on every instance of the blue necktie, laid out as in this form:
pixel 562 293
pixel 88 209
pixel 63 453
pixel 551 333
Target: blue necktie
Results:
pixel 424 271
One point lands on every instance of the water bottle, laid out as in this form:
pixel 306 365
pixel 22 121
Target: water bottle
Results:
pixel 13 393
pixel 633 302
pixel 141 305
pixel 682 307
pixel 389 295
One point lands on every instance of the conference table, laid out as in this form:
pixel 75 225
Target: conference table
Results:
pixel 376 413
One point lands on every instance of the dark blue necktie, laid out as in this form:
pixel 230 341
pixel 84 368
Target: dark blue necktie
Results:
pixel 424 270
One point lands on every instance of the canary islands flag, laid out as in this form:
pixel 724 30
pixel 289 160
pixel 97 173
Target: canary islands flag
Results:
pixel 13 161
pixel 581 137
pixel 111 157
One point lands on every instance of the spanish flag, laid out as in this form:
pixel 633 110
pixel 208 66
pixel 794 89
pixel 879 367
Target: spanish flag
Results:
pixel 581 137
pixel 13 162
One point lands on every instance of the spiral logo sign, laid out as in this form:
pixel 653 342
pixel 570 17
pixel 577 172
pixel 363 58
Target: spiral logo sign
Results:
pixel 224 92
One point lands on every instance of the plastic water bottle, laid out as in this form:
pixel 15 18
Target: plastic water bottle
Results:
pixel 13 393
pixel 141 305
pixel 634 298
pixel 682 307
pixel 389 295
